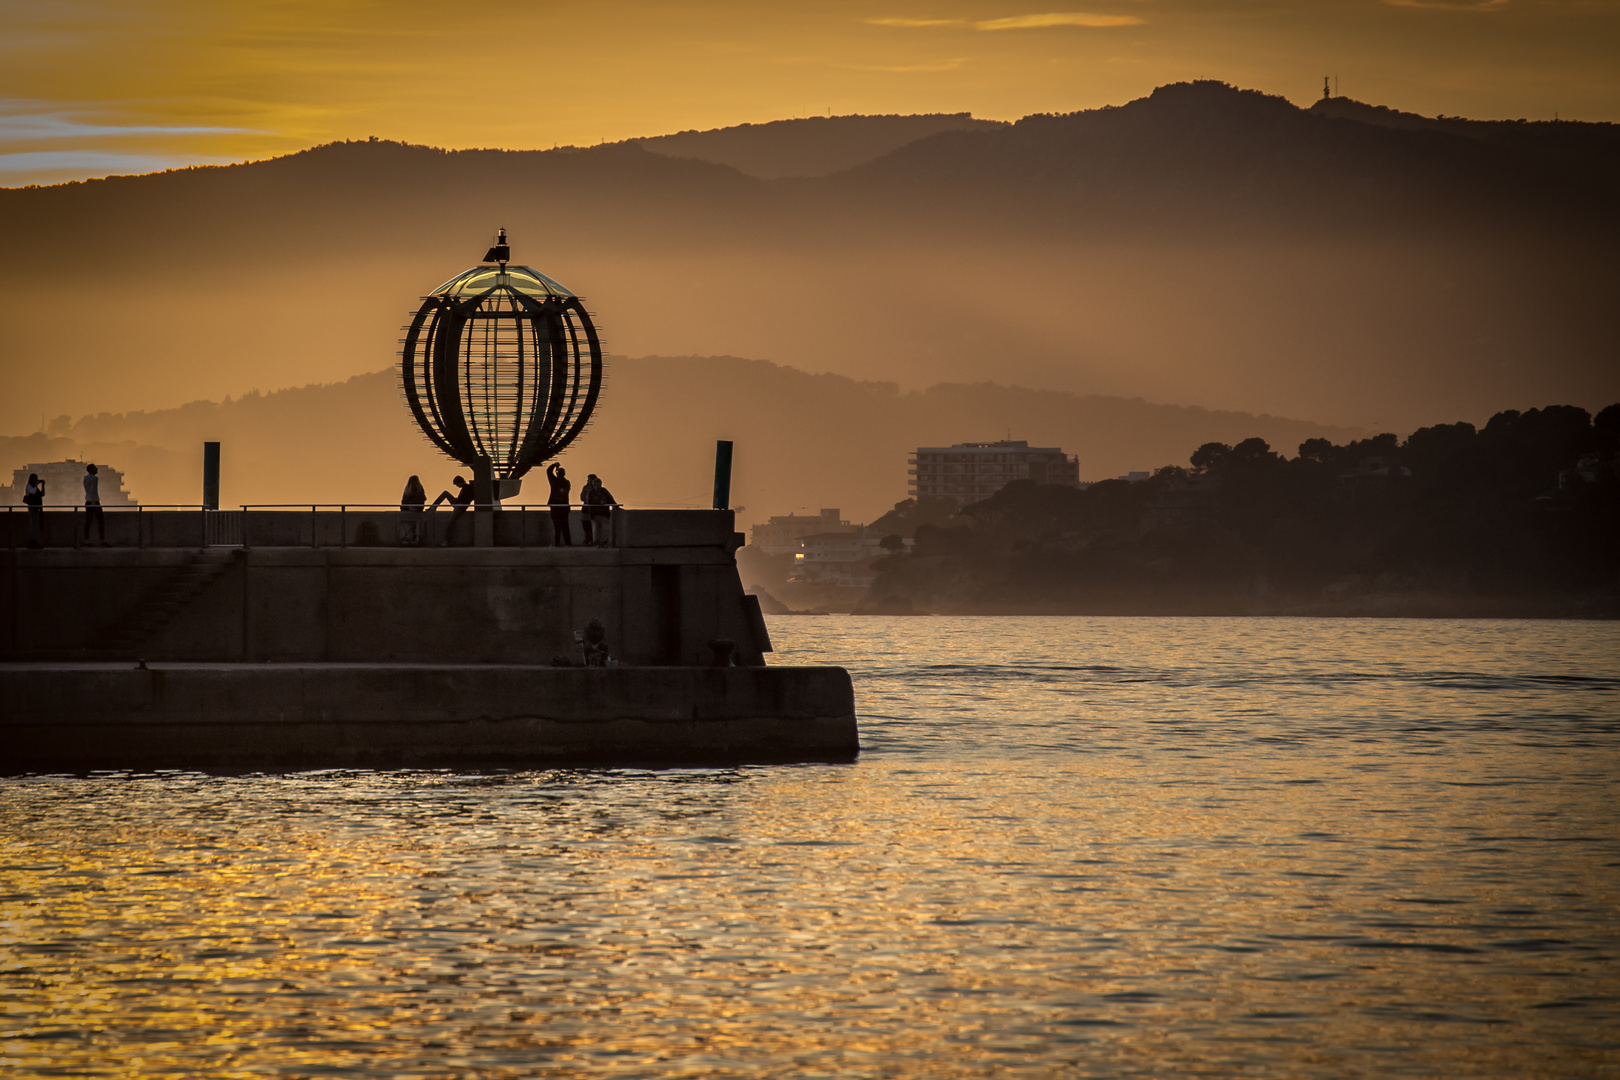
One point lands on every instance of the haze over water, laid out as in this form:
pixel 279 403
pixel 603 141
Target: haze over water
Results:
pixel 1070 847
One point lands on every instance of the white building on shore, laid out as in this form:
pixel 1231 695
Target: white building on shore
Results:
pixel 838 558
pixel 64 484
pixel 780 535
pixel 969 472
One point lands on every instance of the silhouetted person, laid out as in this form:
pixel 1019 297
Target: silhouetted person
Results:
pixel 593 644
pixel 34 499
pixel 460 502
pixel 599 503
pixel 92 504
pixel 412 503
pixel 561 535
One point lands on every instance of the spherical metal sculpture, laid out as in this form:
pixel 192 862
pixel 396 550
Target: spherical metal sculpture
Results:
pixel 501 367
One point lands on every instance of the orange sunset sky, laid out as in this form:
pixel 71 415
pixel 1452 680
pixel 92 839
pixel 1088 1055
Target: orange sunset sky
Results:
pixel 95 87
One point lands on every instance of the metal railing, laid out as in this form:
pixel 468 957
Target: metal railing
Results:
pixel 235 527
pixel 80 534
pixel 410 521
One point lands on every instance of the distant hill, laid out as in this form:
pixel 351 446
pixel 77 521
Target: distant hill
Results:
pixel 1576 150
pixel 802 440
pixel 1202 245
pixel 1224 162
pixel 813 146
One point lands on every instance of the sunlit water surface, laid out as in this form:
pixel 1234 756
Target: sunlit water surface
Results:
pixel 1070 847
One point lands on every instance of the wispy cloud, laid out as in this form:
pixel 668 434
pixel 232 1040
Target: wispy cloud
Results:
pixel 1057 18
pixel 897 21
pixel 28 128
pixel 60 166
pixel 1450 5
pixel 1021 22
pixel 44 142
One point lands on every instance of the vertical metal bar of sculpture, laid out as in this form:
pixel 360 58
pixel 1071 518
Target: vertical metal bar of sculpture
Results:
pixel 501 367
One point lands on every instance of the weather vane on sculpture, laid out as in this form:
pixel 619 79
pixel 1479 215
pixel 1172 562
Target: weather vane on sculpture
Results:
pixel 501 368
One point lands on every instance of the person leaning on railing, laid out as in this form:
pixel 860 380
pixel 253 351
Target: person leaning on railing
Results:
pixel 411 504
pixel 599 503
pixel 460 502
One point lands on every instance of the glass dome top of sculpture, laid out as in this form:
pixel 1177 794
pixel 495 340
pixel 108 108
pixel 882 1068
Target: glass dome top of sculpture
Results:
pixel 518 278
pixel 501 366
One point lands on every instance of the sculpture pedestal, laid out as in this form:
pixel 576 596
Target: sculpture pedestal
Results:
pixel 484 512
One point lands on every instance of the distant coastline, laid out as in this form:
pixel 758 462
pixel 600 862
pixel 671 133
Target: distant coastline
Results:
pixel 1595 606
pixel 1517 519
pixel 1602 605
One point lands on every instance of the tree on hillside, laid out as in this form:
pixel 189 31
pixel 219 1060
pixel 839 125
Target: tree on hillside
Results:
pixel 909 514
pixel 1527 507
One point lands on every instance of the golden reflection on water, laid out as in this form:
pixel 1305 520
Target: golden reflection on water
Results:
pixel 1115 874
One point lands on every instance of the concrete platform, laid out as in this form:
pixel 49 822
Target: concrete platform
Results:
pixel 65 717
pixel 667 588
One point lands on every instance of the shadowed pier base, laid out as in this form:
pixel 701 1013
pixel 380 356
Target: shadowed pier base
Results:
pixel 77 716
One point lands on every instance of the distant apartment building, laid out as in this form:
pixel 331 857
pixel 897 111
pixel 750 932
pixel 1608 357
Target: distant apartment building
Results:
pixel 780 535
pixel 838 558
pixel 968 472
pixel 64 484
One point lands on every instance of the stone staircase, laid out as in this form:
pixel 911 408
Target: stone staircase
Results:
pixel 124 638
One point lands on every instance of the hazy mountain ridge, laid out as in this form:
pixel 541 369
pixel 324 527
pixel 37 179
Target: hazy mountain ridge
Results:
pixel 1571 148
pixel 1178 248
pixel 339 199
pixel 809 146
pixel 1187 153
pixel 1204 155
pixel 802 439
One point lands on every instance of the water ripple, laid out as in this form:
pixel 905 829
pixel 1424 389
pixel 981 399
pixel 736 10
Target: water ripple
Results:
pixel 1072 847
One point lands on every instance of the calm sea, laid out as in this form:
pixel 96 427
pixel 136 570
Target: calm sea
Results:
pixel 1070 847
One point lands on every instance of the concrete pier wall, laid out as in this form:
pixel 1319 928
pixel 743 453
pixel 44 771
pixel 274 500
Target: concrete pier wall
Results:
pixel 72 717
pixel 665 588
pixel 259 643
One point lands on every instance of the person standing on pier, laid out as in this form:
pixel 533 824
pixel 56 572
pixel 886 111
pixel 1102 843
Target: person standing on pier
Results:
pixel 412 503
pixel 561 535
pixel 598 502
pixel 34 499
pixel 92 504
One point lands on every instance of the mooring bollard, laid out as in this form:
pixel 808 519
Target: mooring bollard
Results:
pixel 722 474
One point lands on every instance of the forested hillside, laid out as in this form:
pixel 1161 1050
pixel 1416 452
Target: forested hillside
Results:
pixel 1519 517
pixel 801 439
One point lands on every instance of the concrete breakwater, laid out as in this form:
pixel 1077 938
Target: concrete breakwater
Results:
pixel 77 716
pixel 294 651
pixel 666 587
